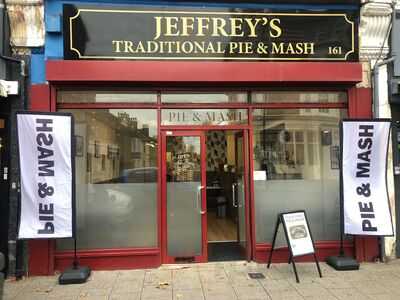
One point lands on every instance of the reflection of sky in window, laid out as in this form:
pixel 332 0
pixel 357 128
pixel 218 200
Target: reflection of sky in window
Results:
pixel 193 142
pixel 204 98
pixel 320 97
pixel 290 113
pixel 143 116
pixel 125 97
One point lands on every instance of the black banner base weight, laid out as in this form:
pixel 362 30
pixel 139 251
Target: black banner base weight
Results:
pixel 74 275
pixel 343 263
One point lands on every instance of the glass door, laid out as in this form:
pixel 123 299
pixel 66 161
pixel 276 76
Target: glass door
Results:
pixel 241 194
pixel 184 196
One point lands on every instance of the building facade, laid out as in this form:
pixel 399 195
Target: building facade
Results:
pixel 377 31
pixel 197 123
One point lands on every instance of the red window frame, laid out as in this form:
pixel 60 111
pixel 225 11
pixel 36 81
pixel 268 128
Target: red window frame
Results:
pixel 189 76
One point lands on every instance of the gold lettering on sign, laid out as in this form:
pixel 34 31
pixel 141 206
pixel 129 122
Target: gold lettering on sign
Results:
pixel 202 25
pixel 276 30
pixel 220 35
pixel 128 46
pixel 175 47
pixel 171 26
pixel 236 27
pixel 194 47
pixel 240 47
pixel 216 26
pixel 292 48
pixel 252 25
pixel 158 27
pixel 116 46
pixel 187 25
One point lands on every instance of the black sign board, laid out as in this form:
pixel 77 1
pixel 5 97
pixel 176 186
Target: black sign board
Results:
pixel 197 34
pixel 298 236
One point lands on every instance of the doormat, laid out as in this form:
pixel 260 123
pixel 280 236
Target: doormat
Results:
pixel 225 251
pixel 256 275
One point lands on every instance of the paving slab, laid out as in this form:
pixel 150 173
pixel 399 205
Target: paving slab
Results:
pixel 188 294
pixel 219 281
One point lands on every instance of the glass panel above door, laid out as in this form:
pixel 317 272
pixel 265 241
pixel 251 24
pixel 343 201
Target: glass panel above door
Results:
pixel 204 98
pixel 105 96
pixel 204 117
pixel 298 97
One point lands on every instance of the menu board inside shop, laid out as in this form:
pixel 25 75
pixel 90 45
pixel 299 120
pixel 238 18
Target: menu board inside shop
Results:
pixel 186 167
pixel 209 34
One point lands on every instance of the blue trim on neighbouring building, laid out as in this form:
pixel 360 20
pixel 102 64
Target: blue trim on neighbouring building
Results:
pixel 37 69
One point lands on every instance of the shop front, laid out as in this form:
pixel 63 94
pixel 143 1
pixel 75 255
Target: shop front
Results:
pixel 190 139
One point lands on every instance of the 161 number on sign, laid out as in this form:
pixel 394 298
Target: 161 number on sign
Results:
pixel 335 50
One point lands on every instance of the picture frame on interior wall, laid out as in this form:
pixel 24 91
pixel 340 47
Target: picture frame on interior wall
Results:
pixel 79 146
pixel 335 151
pixel 89 162
pixel 96 149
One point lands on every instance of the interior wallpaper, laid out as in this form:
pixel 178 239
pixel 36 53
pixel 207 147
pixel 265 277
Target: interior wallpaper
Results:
pixel 216 150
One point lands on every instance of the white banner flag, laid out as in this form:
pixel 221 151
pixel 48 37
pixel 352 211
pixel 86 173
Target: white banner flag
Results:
pixel 45 149
pixel 365 197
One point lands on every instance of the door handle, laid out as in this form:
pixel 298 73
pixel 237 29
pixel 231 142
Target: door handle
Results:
pixel 198 200
pixel 234 204
pixel 239 203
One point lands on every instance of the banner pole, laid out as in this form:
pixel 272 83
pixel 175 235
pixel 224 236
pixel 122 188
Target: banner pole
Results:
pixel 76 273
pixel 341 200
pixel 76 262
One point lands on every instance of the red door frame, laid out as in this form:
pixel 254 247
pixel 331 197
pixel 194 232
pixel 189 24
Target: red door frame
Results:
pixel 316 76
pixel 250 220
pixel 164 231
pixel 185 131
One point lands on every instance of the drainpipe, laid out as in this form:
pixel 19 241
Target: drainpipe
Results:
pixel 375 74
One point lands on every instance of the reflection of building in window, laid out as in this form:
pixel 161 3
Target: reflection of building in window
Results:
pixel 115 143
pixel 292 146
pixel 312 147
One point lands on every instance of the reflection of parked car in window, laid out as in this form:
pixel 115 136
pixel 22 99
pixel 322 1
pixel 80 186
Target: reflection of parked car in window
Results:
pixel 139 175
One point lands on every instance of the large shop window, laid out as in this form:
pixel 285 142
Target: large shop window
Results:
pixel 296 166
pixel 116 178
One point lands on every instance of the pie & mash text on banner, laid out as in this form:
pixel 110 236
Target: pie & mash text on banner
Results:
pixel 364 164
pixel 46 170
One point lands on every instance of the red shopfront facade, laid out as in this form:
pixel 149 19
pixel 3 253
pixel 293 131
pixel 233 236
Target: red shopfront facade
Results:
pixel 277 124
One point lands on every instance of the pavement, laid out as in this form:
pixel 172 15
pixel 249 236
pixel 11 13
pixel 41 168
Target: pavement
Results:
pixel 218 281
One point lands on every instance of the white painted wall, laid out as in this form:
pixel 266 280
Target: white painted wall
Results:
pixel 375 23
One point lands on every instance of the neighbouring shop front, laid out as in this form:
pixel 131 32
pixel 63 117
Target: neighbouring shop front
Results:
pixel 195 127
